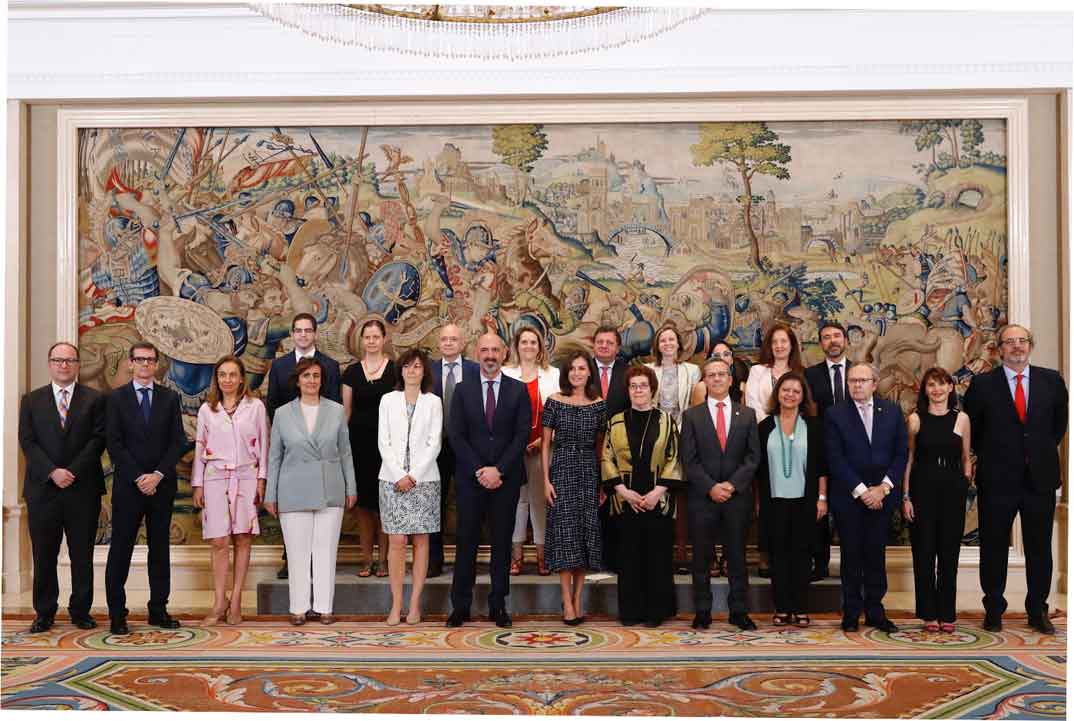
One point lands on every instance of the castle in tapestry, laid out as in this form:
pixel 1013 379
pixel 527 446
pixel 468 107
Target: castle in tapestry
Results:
pixel 206 241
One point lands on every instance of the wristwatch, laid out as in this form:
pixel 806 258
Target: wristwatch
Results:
pixel 887 489
pixel 822 497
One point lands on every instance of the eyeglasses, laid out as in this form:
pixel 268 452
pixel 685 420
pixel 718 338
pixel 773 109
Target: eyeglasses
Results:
pixel 638 386
pixel 1015 341
pixel 143 360
pixel 64 361
pixel 859 380
pixel 296 331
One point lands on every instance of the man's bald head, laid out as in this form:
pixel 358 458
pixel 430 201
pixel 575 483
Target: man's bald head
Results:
pixel 451 343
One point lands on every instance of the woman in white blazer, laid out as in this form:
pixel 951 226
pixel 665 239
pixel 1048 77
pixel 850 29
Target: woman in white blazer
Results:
pixel 530 365
pixel 676 381
pixel 409 429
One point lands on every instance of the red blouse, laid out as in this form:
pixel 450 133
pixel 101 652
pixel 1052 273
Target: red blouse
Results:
pixel 537 408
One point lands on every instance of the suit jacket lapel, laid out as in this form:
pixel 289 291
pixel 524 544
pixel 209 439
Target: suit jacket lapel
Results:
pixel 1034 391
pixel 1003 386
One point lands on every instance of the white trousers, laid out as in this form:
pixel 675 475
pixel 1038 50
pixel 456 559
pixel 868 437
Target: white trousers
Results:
pixel 531 503
pixel 311 536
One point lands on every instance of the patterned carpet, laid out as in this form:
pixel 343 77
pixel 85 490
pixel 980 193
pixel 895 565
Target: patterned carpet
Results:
pixel 542 667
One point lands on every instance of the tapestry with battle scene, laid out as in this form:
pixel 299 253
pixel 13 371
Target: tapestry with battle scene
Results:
pixel 207 241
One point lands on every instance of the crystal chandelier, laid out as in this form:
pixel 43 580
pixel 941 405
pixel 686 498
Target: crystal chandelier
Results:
pixel 479 32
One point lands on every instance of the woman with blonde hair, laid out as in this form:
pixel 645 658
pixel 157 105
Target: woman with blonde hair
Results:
pixel 530 365
pixel 228 477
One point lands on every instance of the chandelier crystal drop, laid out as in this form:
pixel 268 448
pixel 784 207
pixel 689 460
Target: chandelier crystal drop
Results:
pixel 479 32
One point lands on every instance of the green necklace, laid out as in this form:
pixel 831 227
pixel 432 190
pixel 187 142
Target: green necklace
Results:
pixel 787 457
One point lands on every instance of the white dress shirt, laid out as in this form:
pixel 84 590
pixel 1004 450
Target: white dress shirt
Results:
pixel 495 387
pixel 299 356
pixel 726 400
pixel 842 372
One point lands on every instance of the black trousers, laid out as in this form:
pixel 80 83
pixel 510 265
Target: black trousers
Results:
pixel 473 504
pixel 935 540
pixel 791 525
pixel 728 521
pixel 646 574
pixel 445 462
pixel 863 536
pixel 822 543
pixel 129 508
pixel 68 514
pixel 996 517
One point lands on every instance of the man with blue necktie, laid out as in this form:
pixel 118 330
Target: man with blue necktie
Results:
pixel 145 437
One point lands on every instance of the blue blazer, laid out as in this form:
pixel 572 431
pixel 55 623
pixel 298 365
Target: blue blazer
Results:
pixel 136 447
pixel 471 371
pixel 279 381
pixel 852 459
pixel 475 445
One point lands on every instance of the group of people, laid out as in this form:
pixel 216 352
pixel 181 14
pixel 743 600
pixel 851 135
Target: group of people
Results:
pixel 617 466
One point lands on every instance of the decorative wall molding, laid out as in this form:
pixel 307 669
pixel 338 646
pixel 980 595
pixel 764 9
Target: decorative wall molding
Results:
pixel 143 50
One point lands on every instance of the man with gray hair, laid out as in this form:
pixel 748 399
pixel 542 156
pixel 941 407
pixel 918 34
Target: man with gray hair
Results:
pixel 1018 417
pixel 867 453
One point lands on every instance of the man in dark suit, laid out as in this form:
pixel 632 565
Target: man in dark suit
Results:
pixel 456 370
pixel 489 431
pixel 867 451
pixel 828 383
pixel 1018 416
pixel 720 453
pixel 145 441
pixel 280 390
pixel 61 432
pixel 608 368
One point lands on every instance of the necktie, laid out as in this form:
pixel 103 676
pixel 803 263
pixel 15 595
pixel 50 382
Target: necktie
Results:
pixel 490 406
pixel 867 419
pixel 449 391
pixel 63 407
pixel 721 426
pixel 837 382
pixel 604 381
pixel 144 404
pixel 1020 398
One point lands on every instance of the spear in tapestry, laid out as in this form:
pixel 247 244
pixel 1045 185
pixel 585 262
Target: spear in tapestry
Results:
pixel 354 193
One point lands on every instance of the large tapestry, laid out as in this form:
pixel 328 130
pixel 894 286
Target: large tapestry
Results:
pixel 206 241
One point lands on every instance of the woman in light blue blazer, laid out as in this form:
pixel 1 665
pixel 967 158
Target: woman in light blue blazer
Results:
pixel 310 482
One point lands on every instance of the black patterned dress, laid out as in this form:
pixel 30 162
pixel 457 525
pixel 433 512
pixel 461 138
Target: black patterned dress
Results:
pixel 572 534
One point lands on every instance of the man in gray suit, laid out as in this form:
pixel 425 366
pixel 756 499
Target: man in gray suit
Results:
pixel 720 452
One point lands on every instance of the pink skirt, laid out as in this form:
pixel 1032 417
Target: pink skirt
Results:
pixel 229 502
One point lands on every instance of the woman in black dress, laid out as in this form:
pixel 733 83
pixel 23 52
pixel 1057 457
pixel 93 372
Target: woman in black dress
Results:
pixel 639 467
pixel 574 421
pixel 364 383
pixel 937 476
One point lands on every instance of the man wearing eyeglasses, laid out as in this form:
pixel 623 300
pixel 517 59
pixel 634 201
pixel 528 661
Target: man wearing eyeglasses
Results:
pixel 61 432
pixel 280 390
pixel 1018 416
pixel 867 448
pixel 145 435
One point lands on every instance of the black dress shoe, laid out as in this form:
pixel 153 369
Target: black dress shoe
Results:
pixel 882 624
pixel 282 573
pixel 42 624
pixel 629 621
pixel 653 623
pixel 702 620
pixel 458 618
pixel 849 624
pixel 84 622
pixel 576 621
pixel 818 575
pixel 743 621
pixel 992 623
pixel 435 569
pixel 164 620
pixel 119 627
pixel 1042 624
pixel 501 618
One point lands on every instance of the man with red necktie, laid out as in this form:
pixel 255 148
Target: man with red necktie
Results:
pixel 1018 417
pixel 720 451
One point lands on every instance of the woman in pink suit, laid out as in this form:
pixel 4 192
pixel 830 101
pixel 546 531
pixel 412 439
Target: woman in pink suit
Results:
pixel 230 467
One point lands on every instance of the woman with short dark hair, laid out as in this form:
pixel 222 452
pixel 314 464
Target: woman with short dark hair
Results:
pixel 937 472
pixel 408 436
pixel 640 465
